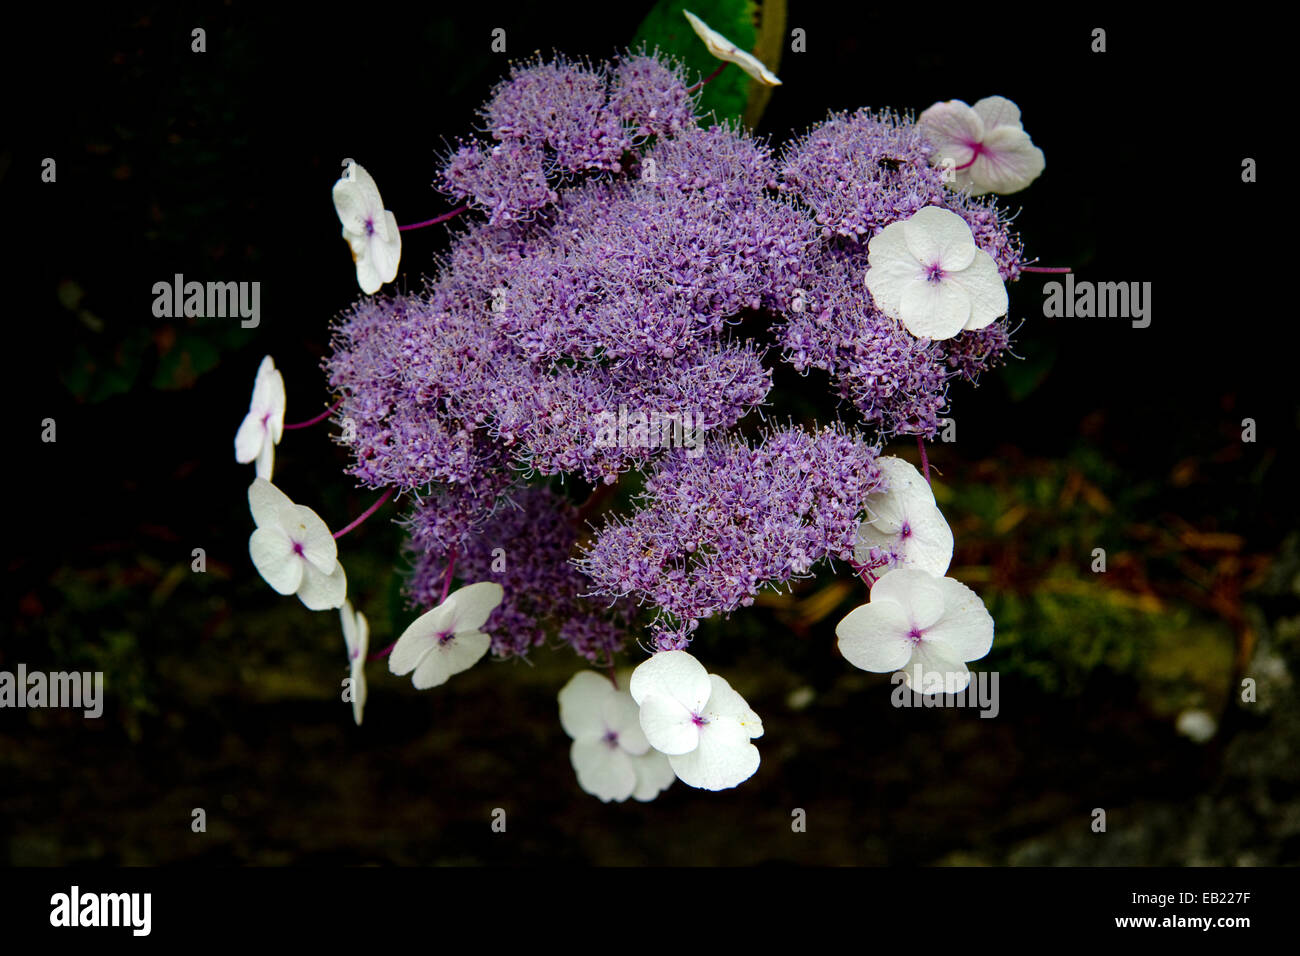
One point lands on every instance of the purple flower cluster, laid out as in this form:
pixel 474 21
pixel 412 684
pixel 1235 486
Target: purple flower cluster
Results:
pixel 621 246
pixel 524 546
pixel 713 531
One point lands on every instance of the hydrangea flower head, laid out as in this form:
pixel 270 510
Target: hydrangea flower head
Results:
pixel 984 144
pixel 697 719
pixel 923 625
pixel 929 273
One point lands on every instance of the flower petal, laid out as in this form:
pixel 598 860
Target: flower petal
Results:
pixel 582 701
pixel 995 111
pixel 933 670
pixel 953 129
pixel 917 592
pixel 891 268
pixel 676 674
pixel 724 758
pixel 270 506
pixel 603 771
pixel 320 591
pixel 939 237
pixel 724 49
pixel 318 545
pixel 669 727
pixel 984 288
pixel 449 658
pixel 726 703
pixel 934 310
pixel 273 556
pixel 250 438
pixel 965 630
pixel 1008 162
pixel 622 716
pixel 470 606
pixel 873 637
pixel 654 774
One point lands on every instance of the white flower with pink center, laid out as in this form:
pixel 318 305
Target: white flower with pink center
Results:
pixel 293 549
pixel 923 625
pixel 610 753
pixel 928 273
pixel 370 229
pixel 904 527
pixel 263 426
pixel 697 720
pixel 985 145
pixel 447 640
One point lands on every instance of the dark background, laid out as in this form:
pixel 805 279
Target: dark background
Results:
pixel 222 695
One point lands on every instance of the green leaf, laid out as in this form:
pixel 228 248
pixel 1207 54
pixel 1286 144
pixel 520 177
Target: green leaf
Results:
pixel 666 28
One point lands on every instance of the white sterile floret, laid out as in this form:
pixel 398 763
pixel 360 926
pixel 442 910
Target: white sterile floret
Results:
pixel 610 752
pixel 356 635
pixel 370 229
pixel 446 640
pixel 724 49
pixel 928 273
pixel 926 626
pixel 697 720
pixel 904 526
pixel 985 145
pixel 262 427
pixel 293 549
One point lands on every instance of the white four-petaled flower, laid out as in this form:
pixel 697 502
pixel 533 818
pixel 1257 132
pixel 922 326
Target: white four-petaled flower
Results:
pixel 356 635
pixel 724 49
pixel 262 427
pixel 370 229
pixel 610 752
pixel 904 525
pixel 926 626
pixel 985 145
pixel 293 549
pixel 928 273
pixel 446 640
pixel 697 720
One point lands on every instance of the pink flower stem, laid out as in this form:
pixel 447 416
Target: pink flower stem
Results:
pixel 384 653
pixel 446 582
pixel 1057 269
pixel 435 220
pixel 925 461
pixel 318 419
pixel 366 514
pixel 721 66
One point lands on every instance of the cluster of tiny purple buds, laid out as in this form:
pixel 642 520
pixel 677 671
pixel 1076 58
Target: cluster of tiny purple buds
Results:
pixel 615 241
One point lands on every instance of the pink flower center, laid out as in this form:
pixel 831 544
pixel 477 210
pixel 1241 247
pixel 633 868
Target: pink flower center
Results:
pixel 905 532
pixel 934 272
pixel 611 739
pixel 915 635
pixel 697 720
pixel 297 549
